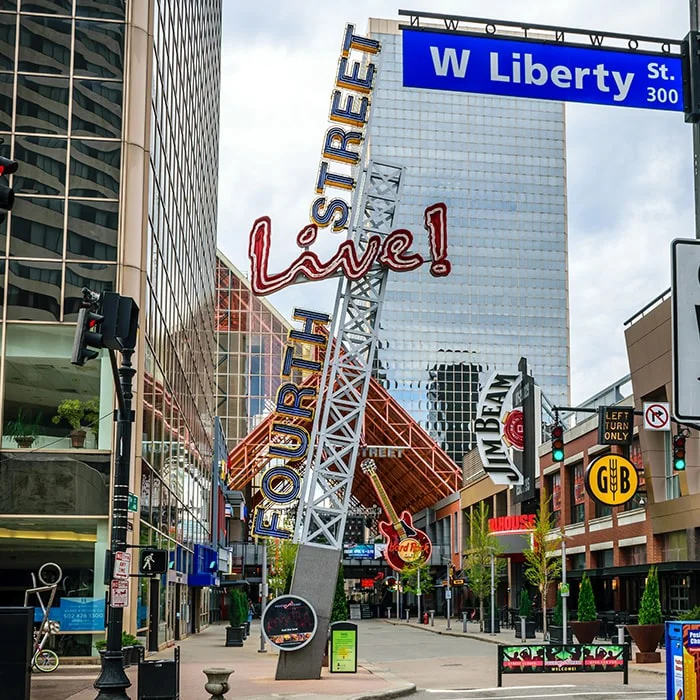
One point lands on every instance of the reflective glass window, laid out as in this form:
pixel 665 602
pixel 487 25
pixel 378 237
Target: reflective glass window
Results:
pixel 99 49
pixel 8 27
pixel 97 108
pixel 94 169
pixel 34 291
pixel 44 44
pixel 6 88
pixel 3 231
pixel 37 228
pixel 43 168
pixel 61 7
pixel 102 9
pixel 98 277
pixel 92 230
pixel 42 105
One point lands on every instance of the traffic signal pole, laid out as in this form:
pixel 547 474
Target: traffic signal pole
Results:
pixel 694 27
pixel 112 681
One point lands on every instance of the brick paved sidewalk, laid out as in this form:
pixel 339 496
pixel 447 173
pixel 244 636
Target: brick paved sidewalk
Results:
pixel 253 676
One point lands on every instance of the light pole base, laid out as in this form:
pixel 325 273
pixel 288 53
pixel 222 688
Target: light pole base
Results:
pixel 112 681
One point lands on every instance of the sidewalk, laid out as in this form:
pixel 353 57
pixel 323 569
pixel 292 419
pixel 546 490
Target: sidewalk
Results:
pixel 508 636
pixel 254 673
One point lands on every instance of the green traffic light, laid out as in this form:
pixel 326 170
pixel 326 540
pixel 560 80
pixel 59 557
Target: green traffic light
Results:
pixel 558 455
pixel 679 465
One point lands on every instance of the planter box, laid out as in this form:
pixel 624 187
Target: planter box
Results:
pixel 529 629
pixel 585 632
pixel 234 636
pixel 556 634
pixel 487 626
pixel 647 638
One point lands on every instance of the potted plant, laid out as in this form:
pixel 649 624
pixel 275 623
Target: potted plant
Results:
pixel 587 626
pixel 486 622
pixel 648 632
pixel 524 611
pixel 79 415
pixel 234 633
pixel 23 428
pixel 131 648
pixel 556 629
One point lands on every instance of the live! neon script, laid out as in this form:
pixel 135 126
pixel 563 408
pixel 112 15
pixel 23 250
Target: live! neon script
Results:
pixel 391 252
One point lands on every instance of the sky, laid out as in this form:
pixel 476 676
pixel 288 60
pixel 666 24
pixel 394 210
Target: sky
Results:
pixel 629 171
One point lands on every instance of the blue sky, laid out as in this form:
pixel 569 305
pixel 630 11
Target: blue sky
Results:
pixel 630 189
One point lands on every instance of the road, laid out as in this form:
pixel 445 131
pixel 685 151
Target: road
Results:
pixel 453 668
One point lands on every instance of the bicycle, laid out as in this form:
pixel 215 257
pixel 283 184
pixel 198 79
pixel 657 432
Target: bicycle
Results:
pixel 45 660
pixel 50 575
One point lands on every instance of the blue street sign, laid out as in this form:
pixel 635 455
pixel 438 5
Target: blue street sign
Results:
pixel 495 66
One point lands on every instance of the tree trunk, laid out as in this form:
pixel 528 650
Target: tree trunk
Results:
pixel 544 611
pixel 481 612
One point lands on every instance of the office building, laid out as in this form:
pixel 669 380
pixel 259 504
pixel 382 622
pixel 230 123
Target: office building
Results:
pixel 101 102
pixel 500 166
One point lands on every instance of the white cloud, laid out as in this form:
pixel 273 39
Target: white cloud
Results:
pixel 629 171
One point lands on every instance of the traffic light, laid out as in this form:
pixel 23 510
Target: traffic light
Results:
pixel 557 442
pixel 679 452
pixel 7 195
pixel 391 582
pixel 87 332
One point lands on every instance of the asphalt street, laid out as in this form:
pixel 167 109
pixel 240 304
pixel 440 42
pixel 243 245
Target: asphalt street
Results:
pixel 451 668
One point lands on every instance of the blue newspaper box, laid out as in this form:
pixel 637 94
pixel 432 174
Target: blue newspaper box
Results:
pixel 682 660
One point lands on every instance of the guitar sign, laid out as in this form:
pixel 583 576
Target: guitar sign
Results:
pixel 405 544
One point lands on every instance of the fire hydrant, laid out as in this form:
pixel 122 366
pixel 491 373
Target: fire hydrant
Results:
pixel 425 618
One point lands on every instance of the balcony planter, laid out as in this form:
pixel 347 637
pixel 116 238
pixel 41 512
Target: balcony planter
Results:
pixel 647 638
pixel 234 636
pixel 585 632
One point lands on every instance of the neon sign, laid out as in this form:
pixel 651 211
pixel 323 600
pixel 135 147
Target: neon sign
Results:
pixel 349 106
pixel 391 252
pixel 281 483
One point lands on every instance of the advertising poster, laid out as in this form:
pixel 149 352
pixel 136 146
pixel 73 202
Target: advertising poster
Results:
pixel 523 659
pixel 603 657
pixel 557 658
pixel 77 614
pixel 289 622
pixel 691 661
pixel 343 648
pixel 560 659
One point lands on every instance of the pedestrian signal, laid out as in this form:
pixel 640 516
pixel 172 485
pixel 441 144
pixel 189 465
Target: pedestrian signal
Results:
pixel 153 561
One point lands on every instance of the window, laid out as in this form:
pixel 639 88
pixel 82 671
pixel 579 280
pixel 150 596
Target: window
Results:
pixel 578 561
pixel 604 558
pixel 555 486
pixel 678 598
pixel 636 554
pixel 578 493
pixel 676 546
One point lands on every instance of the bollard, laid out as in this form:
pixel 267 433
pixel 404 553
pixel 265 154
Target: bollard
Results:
pixel 408 616
pixel 432 618
pixel 464 622
pixel 523 632
pixel 388 613
pixel 620 634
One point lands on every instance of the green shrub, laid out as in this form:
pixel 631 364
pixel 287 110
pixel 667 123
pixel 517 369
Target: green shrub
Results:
pixel 650 607
pixel 693 614
pixel 236 614
pixel 525 604
pixel 558 614
pixel 128 640
pixel 339 613
pixel 586 602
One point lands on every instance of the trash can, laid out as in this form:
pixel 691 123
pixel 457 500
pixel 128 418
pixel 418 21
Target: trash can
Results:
pixel 16 625
pixel 159 679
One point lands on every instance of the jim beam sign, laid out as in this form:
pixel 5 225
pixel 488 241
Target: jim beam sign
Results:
pixel 499 428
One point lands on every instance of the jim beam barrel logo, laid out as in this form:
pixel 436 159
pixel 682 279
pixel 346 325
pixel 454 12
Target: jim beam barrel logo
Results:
pixel 612 480
pixel 498 428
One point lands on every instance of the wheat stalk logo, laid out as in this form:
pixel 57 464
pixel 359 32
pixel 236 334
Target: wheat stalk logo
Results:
pixel 613 478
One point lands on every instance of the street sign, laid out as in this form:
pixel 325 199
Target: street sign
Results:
pixel 537 70
pixel 119 597
pixel 458 582
pixel 564 590
pixel 153 561
pixel 685 301
pixel 611 480
pixel 657 416
pixel 133 503
pixel 122 565
pixel 615 425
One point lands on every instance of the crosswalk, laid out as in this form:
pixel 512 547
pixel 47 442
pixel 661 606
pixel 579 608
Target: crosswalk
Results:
pixel 533 692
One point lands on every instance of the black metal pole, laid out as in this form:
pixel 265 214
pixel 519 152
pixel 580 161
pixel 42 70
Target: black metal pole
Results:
pixel 112 681
pixel 694 27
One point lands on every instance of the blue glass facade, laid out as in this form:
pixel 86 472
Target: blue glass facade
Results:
pixel 500 166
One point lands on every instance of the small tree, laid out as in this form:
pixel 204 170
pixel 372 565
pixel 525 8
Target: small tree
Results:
pixel 236 615
pixel 586 602
pixel 525 604
pixel 650 607
pixel 282 555
pixel 340 602
pixel 541 566
pixel 481 544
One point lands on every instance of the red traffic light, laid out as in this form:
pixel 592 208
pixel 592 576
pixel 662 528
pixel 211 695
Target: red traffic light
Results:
pixel 7 166
pixel 557 432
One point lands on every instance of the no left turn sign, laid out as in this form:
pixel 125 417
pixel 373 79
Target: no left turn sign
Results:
pixel 657 416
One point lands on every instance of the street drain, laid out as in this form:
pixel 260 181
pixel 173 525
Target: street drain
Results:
pixel 450 664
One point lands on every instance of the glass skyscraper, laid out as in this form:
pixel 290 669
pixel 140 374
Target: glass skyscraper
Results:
pixel 101 102
pixel 500 166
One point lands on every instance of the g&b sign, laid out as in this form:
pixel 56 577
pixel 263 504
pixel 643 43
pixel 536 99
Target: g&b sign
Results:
pixel 612 480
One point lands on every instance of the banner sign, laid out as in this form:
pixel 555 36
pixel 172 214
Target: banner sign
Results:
pixel 359 551
pixel 557 658
pixel 499 428
pixel 77 614
pixel 289 622
pixel 546 71
pixel 343 654
pixel 612 480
